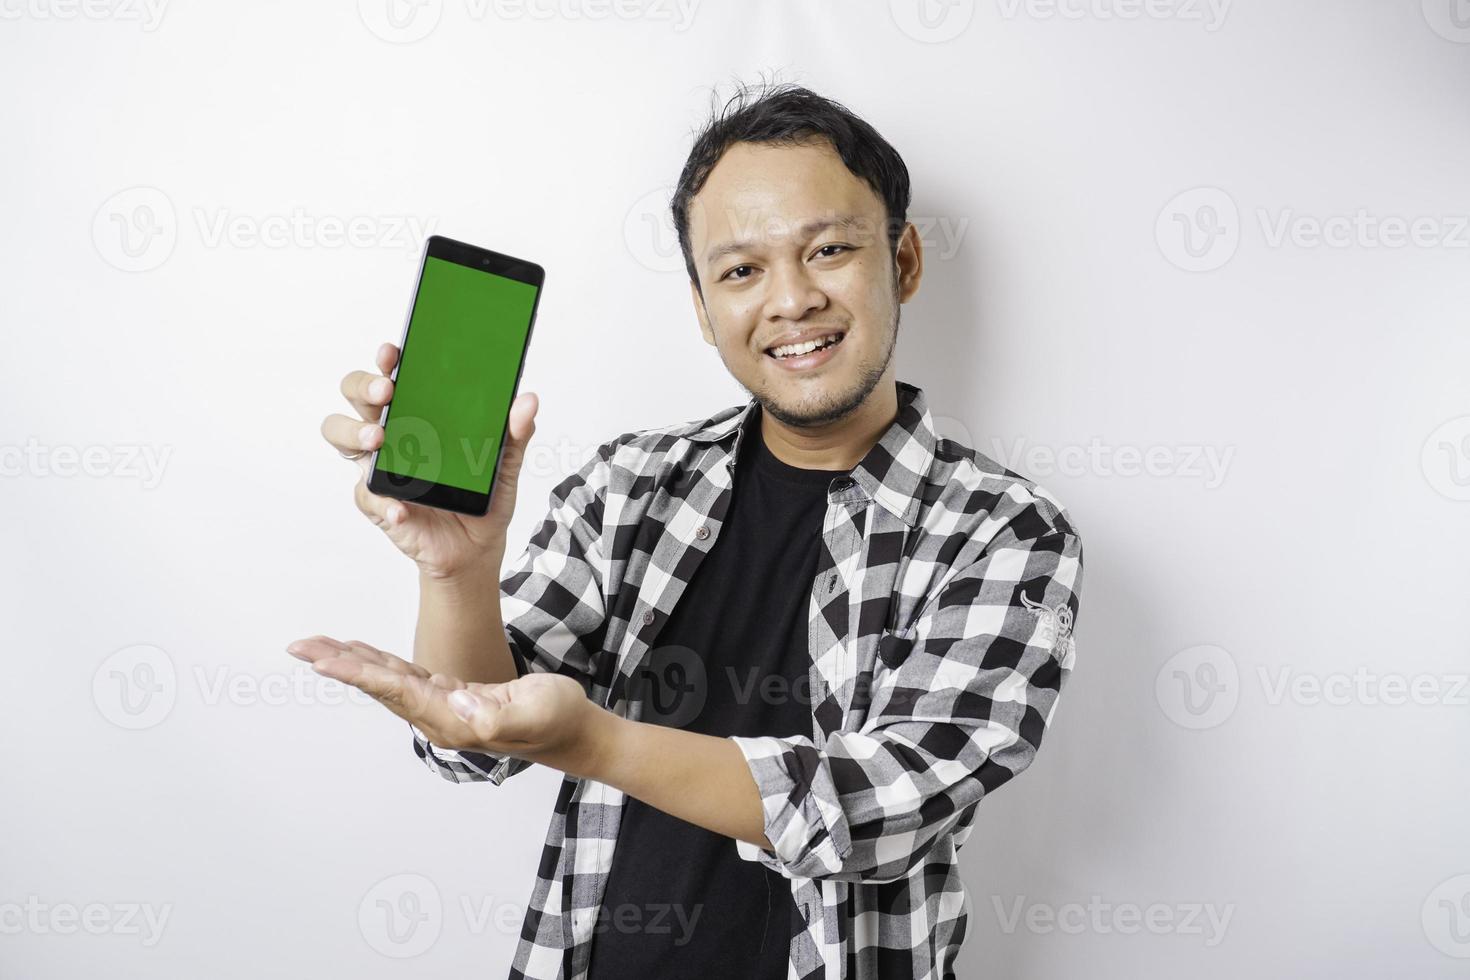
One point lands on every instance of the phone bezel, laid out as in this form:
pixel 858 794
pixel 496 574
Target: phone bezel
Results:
pixel 438 495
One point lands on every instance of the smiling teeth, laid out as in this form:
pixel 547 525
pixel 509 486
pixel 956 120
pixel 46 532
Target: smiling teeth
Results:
pixel 790 350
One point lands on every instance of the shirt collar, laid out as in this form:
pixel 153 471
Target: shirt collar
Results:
pixel 893 471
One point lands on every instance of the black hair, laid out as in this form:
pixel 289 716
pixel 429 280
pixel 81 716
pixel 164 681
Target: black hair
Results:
pixel 789 114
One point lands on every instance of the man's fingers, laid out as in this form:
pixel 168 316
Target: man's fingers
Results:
pixel 496 724
pixel 387 358
pixel 371 654
pixel 349 435
pixel 496 693
pixel 426 705
pixel 493 722
pixel 422 699
pixel 314 648
pixel 407 695
pixel 519 429
pixel 522 419
pixel 382 511
pixel 446 683
pixel 368 393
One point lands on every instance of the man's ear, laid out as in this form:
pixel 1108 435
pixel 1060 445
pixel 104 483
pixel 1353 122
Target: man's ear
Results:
pixel 699 311
pixel 908 263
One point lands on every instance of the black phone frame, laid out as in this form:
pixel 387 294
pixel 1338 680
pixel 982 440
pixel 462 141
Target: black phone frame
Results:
pixel 428 493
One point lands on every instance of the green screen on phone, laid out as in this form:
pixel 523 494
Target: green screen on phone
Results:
pixel 456 376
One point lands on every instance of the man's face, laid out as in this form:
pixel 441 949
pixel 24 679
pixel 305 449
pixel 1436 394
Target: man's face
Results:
pixel 787 241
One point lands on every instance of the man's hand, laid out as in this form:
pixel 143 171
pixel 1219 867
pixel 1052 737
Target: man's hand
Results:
pixel 542 717
pixel 444 544
pixel 547 718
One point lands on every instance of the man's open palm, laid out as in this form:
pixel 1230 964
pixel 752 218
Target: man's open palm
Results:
pixel 539 717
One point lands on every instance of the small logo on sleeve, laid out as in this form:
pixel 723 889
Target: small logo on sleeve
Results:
pixel 1056 623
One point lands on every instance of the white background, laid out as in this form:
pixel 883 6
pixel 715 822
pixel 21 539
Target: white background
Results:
pixel 1241 737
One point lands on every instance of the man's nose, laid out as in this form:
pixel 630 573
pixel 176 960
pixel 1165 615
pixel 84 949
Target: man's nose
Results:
pixel 794 293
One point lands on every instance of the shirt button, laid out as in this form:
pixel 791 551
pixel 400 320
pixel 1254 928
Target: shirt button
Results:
pixel 647 616
pixel 844 482
pixel 701 532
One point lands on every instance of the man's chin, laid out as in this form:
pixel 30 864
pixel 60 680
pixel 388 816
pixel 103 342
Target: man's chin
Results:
pixel 818 406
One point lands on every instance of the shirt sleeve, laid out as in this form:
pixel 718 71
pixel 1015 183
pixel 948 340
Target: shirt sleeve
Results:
pixel 959 716
pixel 552 603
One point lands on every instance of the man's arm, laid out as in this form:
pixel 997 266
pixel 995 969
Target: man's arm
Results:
pixel 702 779
pixel 957 717
pixel 962 714
pixel 459 631
pixel 546 614
pixel 460 634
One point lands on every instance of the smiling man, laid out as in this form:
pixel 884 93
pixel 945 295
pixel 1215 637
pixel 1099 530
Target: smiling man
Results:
pixel 780 653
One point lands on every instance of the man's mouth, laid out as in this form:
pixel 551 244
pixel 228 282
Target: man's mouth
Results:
pixel 797 350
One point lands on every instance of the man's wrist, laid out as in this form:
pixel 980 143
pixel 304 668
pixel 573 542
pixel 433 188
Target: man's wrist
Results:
pixel 599 745
pixel 471 584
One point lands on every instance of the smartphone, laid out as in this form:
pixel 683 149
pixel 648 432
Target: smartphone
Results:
pixel 459 366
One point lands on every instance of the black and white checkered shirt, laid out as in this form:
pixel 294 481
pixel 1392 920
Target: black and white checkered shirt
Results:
pixel 940 634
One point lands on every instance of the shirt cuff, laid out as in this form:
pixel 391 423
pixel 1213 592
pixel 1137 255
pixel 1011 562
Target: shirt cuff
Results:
pixel 801 816
pixel 461 767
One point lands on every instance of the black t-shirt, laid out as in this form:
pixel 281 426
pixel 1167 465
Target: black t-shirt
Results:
pixel 680 902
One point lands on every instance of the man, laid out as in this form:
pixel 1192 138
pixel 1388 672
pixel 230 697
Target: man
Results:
pixel 780 653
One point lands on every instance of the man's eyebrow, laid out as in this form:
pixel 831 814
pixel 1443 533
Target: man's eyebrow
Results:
pixel 802 231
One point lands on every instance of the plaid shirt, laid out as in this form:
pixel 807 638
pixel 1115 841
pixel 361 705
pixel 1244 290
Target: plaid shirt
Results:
pixel 940 635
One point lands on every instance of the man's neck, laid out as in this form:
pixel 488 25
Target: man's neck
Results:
pixel 839 445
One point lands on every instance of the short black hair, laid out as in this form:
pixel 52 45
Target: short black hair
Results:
pixel 789 114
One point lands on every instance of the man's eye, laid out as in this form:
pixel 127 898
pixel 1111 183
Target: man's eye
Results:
pixel 830 254
pixel 735 270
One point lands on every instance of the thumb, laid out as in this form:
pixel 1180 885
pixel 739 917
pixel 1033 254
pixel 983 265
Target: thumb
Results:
pixel 464 704
pixel 490 719
pixel 521 426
